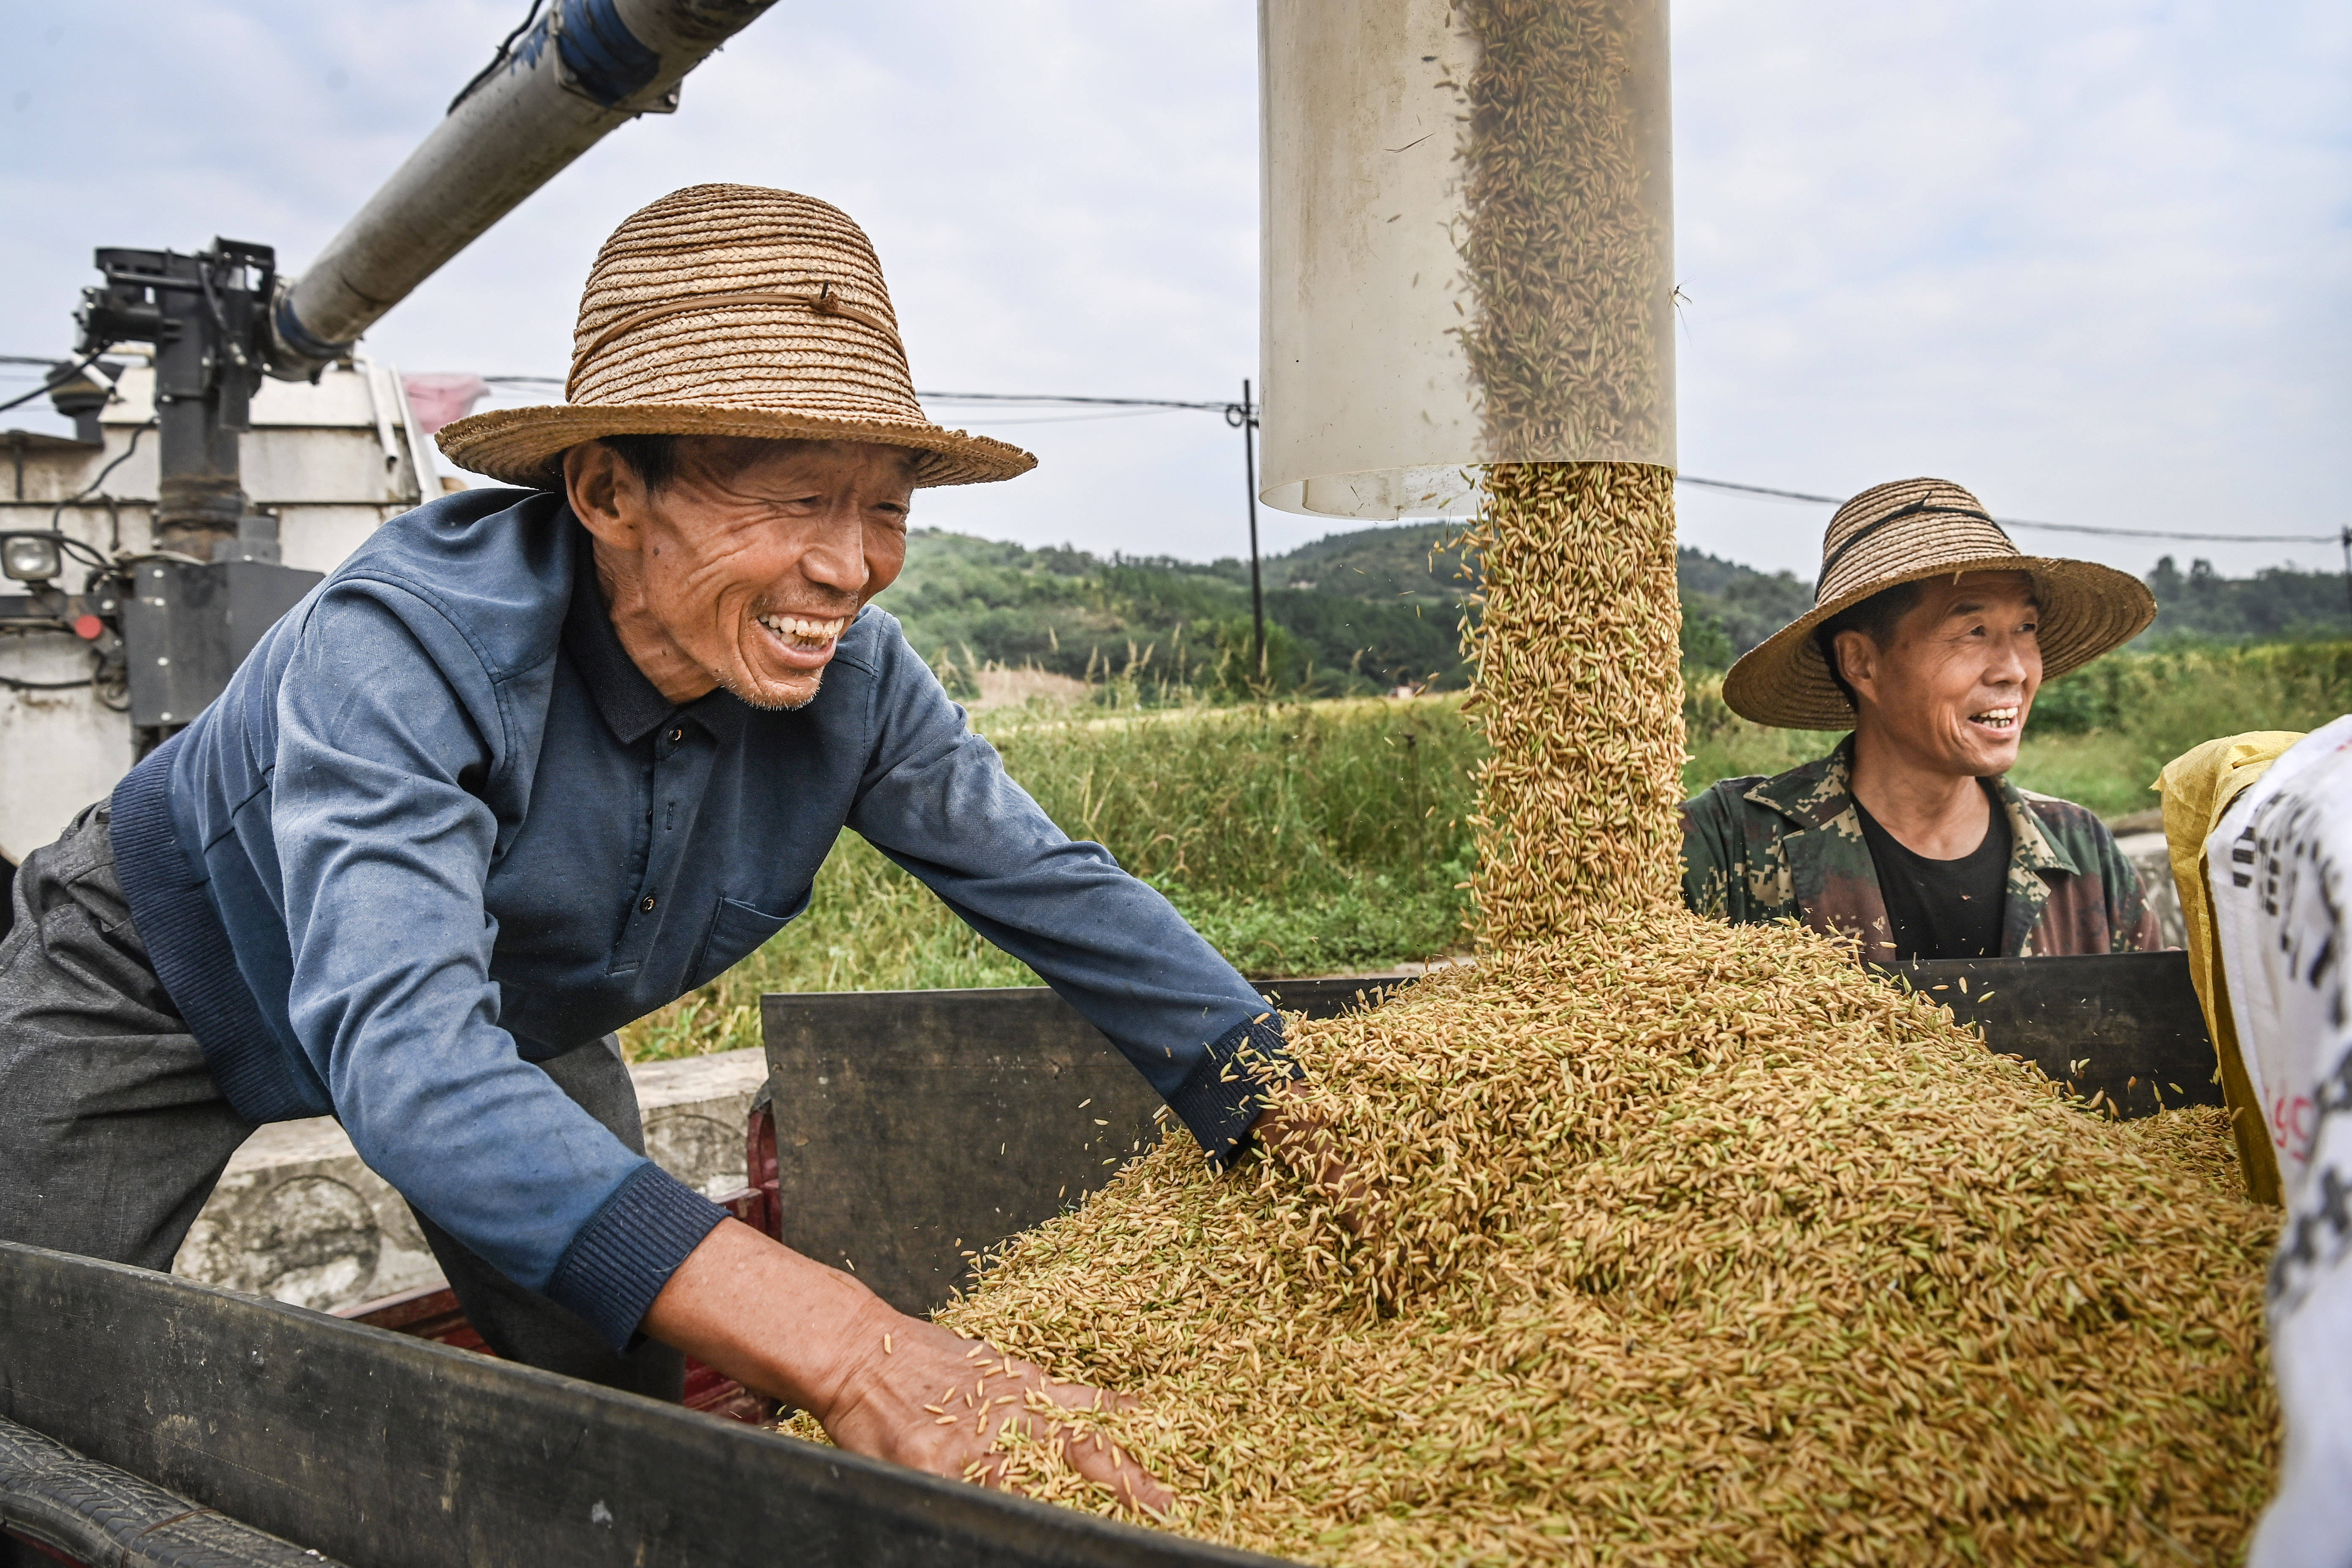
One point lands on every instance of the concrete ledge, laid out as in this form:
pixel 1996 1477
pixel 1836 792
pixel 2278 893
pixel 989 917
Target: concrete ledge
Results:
pixel 695 1110
pixel 300 1217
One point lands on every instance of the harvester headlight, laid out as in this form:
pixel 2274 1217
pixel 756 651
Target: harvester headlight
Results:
pixel 30 557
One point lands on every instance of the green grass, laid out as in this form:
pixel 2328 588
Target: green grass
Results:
pixel 1314 837
pixel 1297 838
pixel 2105 732
pixel 1720 744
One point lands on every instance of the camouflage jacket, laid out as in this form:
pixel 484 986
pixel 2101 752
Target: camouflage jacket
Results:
pixel 1791 846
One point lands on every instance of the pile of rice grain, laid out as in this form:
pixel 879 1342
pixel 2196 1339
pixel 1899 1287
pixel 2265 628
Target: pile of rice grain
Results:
pixel 1689 1243
pixel 1684 1243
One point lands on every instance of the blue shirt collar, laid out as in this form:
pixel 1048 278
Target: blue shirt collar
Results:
pixel 632 705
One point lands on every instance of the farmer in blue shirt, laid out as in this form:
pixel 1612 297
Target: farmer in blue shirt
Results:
pixel 533 762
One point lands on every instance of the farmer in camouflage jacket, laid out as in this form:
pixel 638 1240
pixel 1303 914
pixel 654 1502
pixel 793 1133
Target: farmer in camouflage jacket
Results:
pixel 1929 635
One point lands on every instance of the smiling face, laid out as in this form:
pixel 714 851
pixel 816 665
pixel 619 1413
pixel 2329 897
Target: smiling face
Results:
pixel 742 568
pixel 1950 689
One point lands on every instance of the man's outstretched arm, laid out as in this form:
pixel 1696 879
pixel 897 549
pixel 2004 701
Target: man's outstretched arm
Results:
pixel 936 799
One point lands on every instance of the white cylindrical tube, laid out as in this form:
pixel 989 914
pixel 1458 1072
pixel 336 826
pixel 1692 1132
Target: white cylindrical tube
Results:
pixel 1467 245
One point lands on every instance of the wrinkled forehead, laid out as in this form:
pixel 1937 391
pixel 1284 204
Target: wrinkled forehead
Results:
pixel 1976 591
pixel 731 460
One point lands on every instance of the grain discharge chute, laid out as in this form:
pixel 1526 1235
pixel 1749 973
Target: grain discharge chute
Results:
pixel 232 445
pixel 1468 243
pixel 1469 312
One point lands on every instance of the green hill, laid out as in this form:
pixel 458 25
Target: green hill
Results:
pixel 1364 611
pixel 1348 614
pixel 1728 608
pixel 1351 614
pixel 1378 565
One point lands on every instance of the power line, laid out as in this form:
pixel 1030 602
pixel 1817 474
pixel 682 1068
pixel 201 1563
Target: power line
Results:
pixel 1230 409
pixel 1068 418
pixel 1035 399
pixel 1060 400
pixel 2047 527
pixel 2168 533
pixel 1758 490
pixel 51 384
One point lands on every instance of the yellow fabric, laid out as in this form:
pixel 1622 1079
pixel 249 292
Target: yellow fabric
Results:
pixel 2198 787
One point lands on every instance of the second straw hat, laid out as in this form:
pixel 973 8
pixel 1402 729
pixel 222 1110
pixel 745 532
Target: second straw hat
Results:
pixel 732 311
pixel 1902 533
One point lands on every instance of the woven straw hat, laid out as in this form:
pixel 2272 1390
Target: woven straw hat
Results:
pixel 1902 533
pixel 731 311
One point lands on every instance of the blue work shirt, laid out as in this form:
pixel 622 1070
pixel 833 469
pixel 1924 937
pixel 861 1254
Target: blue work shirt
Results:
pixel 440 826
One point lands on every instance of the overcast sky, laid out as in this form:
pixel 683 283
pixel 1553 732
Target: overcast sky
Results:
pixel 2091 261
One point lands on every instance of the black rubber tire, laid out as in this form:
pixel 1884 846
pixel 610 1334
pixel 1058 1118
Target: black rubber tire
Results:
pixel 98 1515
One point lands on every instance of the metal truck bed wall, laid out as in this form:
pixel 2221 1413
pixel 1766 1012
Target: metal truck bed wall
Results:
pixel 2122 1029
pixel 911 1128
pixel 386 1451
pixel 433 1312
pixel 914 1128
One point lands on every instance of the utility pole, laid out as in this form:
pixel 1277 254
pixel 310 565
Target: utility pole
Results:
pixel 1244 414
pixel 2344 538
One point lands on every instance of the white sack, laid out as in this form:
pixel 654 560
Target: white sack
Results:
pixel 2281 868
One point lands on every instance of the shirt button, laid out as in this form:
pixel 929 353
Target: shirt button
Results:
pixel 678 734
pixel 647 906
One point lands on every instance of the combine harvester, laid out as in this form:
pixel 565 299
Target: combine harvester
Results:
pixel 148 1420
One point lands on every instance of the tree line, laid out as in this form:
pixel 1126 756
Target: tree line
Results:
pixel 1373 609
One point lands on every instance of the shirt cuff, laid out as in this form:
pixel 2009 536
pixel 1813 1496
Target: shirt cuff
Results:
pixel 626 1252
pixel 1220 1098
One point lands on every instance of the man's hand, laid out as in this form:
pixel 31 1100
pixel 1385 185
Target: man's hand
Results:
pixel 882 1384
pixel 930 1399
pixel 1310 1146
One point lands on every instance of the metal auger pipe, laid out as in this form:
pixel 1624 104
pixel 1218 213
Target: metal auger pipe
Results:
pixel 577 71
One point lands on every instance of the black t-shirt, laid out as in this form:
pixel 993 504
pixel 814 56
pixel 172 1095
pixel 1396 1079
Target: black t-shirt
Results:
pixel 1943 909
